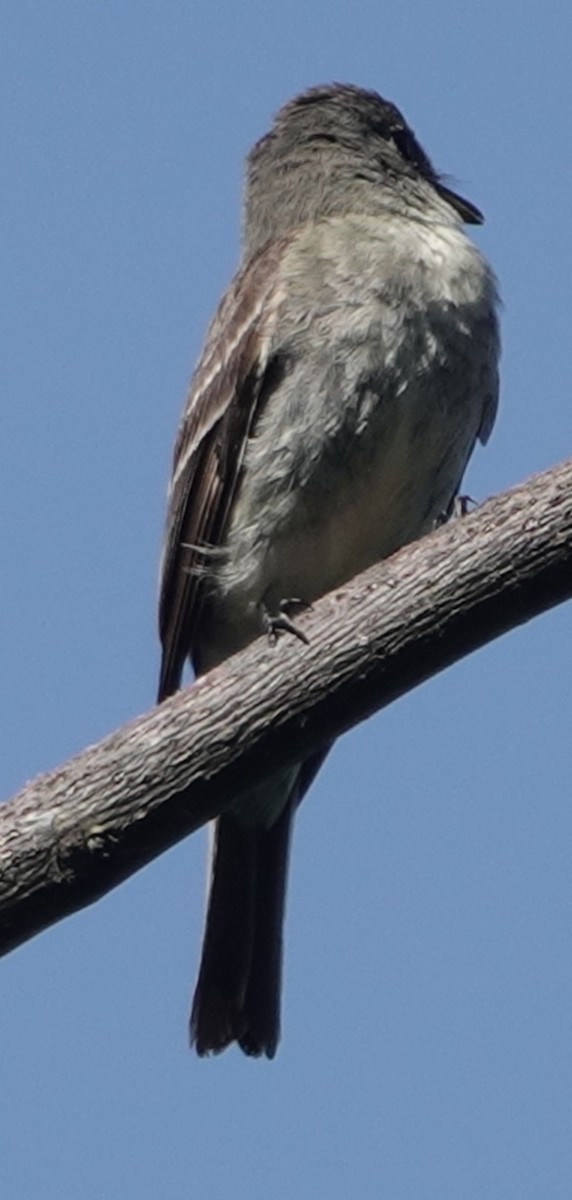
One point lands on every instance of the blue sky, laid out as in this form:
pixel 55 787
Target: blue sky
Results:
pixel 427 1043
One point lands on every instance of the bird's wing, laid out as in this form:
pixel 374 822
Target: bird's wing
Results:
pixel 229 385
pixel 490 380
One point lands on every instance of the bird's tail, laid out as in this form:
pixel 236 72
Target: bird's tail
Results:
pixel 237 996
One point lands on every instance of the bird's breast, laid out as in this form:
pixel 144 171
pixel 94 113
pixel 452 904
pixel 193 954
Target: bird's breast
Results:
pixel 389 341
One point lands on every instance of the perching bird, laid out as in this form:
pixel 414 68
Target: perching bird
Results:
pixel 346 376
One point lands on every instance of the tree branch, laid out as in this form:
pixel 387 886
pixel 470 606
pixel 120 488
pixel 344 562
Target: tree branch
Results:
pixel 73 834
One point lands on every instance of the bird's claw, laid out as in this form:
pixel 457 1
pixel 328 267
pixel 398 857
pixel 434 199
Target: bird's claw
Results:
pixel 460 506
pixel 280 622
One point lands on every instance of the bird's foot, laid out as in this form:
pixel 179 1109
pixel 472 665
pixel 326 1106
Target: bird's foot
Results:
pixel 279 622
pixel 460 506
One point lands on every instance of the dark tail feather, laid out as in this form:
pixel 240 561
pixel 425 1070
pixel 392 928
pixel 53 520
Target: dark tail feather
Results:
pixel 237 996
pixel 227 942
pixel 260 1031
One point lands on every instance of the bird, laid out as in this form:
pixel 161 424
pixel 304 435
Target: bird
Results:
pixel 346 377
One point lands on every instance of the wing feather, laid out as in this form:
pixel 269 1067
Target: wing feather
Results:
pixel 224 398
